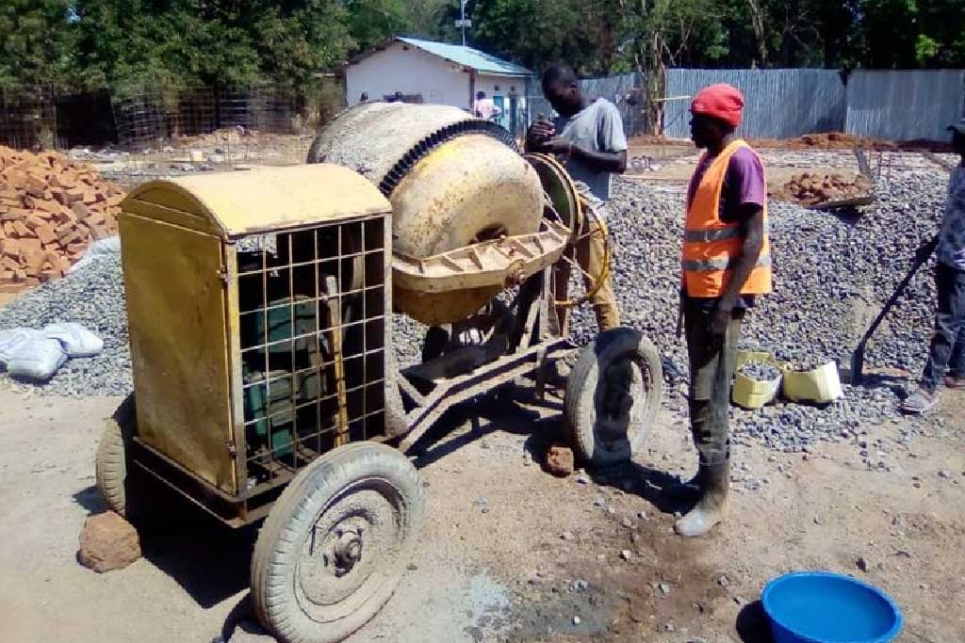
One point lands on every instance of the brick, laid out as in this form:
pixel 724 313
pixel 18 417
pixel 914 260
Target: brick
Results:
pixel 75 194
pixel 96 218
pixel 31 246
pixel 74 237
pixel 90 196
pixel 45 233
pixel 60 196
pixel 81 210
pixel 7 227
pixel 34 262
pixel 31 282
pixel 76 248
pixel 15 214
pixel 19 229
pixel 34 220
pixel 64 230
pixel 10 247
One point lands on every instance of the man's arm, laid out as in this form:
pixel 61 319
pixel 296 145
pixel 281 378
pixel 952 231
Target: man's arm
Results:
pixel 752 234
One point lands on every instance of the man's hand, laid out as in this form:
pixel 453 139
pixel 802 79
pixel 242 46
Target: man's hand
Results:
pixel 723 313
pixel 538 134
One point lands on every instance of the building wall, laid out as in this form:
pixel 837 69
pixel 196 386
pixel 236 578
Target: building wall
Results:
pixel 409 70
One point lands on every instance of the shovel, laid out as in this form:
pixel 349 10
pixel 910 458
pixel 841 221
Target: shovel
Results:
pixel 857 358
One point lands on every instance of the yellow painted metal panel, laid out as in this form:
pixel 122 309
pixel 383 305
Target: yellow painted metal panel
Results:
pixel 176 314
pixel 263 199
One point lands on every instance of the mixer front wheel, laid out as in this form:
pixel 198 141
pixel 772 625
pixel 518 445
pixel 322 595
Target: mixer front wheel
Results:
pixel 336 543
pixel 612 397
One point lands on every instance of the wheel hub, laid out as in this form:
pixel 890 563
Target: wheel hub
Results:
pixel 346 550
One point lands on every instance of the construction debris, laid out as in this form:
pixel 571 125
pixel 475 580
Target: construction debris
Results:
pixel 51 209
pixel 814 189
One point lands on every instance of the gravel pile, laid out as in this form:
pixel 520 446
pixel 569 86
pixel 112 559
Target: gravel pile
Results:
pixel 832 274
pixel 93 297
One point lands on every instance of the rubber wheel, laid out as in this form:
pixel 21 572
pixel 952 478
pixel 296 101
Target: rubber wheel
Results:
pixel 336 543
pixel 612 397
pixel 112 459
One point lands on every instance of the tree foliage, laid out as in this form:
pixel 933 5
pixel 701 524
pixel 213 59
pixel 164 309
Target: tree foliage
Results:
pixel 173 43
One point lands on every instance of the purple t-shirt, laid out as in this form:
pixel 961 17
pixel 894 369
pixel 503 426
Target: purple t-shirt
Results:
pixel 743 184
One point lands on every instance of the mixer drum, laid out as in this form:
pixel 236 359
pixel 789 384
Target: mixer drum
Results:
pixel 453 181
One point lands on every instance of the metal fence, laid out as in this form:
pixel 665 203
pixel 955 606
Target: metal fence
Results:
pixel 780 103
pixel 904 105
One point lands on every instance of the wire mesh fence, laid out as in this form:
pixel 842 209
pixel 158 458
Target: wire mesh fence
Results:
pixel 28 119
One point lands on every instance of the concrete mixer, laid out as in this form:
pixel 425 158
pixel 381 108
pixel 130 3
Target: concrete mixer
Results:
pixel 260 311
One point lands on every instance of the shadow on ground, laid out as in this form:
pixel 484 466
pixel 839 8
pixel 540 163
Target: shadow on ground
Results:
pixel 752 625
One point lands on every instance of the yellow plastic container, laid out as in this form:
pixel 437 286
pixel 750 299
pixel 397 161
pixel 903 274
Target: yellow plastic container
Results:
pixel 750 393
pixel 821 385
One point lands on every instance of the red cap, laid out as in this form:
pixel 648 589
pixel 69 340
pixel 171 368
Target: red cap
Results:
pixel 720 101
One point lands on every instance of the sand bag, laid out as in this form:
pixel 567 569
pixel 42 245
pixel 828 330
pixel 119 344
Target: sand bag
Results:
pixel 38 358
pixel 76 340
pixel 12 339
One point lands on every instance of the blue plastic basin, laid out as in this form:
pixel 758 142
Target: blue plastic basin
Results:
pixel 821 607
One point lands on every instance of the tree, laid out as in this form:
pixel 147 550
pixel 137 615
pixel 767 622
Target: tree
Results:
pixel 373 21
pixel 36 37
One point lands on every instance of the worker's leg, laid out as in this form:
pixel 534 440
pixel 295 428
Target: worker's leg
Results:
pixel 956 363
pixel 949 318
pixel 591 254
pixel 712 368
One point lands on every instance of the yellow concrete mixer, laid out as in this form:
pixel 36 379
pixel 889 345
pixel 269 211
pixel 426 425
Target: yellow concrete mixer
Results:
pixel 265 384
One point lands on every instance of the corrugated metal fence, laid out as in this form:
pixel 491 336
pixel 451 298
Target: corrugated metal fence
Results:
pixel 780 103
pixel 784 103
pixel 626 92
pixel 904 105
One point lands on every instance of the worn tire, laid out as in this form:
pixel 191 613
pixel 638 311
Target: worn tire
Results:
pixel 111 468
pixel 604 439
pixel 296 590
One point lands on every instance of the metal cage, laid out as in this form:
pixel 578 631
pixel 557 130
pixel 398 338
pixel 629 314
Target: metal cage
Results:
pixel 258 324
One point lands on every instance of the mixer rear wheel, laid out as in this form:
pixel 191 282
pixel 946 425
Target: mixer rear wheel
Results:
pixel 116 478
pixel 612 397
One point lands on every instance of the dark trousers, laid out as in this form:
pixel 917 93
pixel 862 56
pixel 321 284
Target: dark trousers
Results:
pixel 948 341
pixel 712 363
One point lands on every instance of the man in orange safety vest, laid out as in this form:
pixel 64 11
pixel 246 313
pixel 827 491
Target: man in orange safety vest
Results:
pixel 726 264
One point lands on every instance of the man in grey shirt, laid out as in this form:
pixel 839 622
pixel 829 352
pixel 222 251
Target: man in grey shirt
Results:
pixel 589 135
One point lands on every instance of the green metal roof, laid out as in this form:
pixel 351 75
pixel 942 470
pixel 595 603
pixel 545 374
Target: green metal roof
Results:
pixel 468 57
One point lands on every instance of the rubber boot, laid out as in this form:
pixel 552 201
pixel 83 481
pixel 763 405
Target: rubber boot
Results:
pixel 710 508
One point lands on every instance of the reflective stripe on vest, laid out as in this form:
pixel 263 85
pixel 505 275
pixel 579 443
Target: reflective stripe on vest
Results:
pixel 764 261
pixel 732 231
pixel 711 246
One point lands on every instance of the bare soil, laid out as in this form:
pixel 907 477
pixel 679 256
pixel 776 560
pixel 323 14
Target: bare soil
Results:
pixel 505 542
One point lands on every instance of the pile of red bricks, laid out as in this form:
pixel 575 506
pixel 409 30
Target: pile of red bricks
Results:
pixel 51 209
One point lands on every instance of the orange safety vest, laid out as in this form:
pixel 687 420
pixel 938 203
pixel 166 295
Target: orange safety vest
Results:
pixel 711 246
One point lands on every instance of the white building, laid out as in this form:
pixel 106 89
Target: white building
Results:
pixel 435 72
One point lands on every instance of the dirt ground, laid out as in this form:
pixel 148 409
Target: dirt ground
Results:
pixel 505 543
